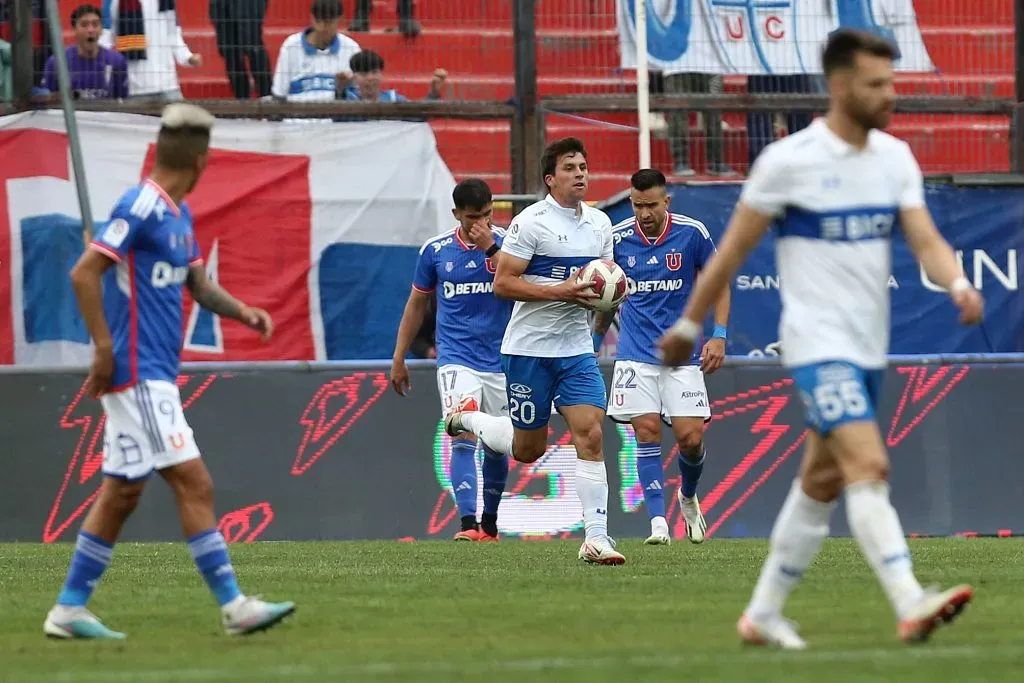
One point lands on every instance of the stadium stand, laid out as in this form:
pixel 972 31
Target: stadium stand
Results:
pixel 970 42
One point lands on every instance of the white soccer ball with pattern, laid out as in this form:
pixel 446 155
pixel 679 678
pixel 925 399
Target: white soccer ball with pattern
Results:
pixel 608 281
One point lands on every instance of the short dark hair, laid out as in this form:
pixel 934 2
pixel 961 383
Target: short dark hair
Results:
pixel 366 61
pixel 472 193
pixel 83 10
pixel 648 178
pixel 325 10
pixel 843 45
pixel 178 148
pixel 558 148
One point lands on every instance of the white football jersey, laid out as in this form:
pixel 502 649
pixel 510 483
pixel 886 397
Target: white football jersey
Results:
pixel 557 243
pixel 836 208
pixel 307 74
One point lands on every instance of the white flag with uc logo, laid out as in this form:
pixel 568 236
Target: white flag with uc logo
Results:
pixel 762 36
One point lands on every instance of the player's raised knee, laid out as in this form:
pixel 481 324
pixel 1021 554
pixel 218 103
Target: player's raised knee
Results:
pixel 528 454
pixel 529 446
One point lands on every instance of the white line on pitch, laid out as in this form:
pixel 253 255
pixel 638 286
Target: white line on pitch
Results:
pixel 653 661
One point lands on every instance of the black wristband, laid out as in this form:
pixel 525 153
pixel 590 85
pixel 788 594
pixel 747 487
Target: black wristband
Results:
pixel 493 250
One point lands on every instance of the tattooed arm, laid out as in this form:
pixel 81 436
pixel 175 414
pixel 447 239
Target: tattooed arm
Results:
pixel 216 299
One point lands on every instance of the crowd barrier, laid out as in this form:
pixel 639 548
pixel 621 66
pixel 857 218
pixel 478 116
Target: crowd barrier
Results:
pixel 328 451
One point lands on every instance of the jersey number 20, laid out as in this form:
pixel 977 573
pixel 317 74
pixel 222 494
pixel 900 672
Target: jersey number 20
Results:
pixel 522 411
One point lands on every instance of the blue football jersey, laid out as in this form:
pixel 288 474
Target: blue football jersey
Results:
pixel 661 276
pixel 152 242
pixel 470 320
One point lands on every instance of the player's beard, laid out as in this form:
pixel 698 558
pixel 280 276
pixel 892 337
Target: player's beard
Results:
pixel 870 119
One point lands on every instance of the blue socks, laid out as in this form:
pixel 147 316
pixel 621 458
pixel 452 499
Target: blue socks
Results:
pixel 463 476
pixel 648 470
pixel 691 470
pixel 210 553
pixel 495 473
pixel 92 556
pixel 91 559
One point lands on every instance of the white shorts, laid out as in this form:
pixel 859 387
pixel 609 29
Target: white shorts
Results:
pixel 146 430
pixel 643 389
pixel 488 388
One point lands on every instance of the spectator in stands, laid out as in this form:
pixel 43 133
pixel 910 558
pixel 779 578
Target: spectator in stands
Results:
pixel 760 124
pixel 687 83
pixel 147 33
pixel 408 26
pixel 6 77
pixel 96 72
pixel 313 65
pixel 239 28
pixel 40 32
pixel 368 72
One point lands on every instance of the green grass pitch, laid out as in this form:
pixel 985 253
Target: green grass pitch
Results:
pixel 510 611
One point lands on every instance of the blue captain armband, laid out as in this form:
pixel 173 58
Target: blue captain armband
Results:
pixel 721 332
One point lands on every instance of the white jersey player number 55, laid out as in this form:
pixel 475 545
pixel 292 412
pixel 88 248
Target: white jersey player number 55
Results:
pixel 837 399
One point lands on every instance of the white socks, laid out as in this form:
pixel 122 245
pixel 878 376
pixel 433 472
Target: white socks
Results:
pixel 592 487
pixel 799 531
pixel 495 432
pixel 876 526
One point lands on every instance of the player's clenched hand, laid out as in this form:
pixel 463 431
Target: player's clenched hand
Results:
pixel 400 377
pixel 971 305
pixel 578 292
pixel 674 349
pixel 259 320
pixel 101 371
pixel 713 355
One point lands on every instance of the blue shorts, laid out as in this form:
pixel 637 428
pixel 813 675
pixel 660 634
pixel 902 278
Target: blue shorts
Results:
pixel 837 392
pixel 534 383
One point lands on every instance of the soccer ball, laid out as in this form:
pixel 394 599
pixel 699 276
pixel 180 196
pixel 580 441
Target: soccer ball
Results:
pixel 608 281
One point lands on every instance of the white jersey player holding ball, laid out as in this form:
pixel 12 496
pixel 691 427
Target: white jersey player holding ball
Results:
pixel 835 192
pixel 548 353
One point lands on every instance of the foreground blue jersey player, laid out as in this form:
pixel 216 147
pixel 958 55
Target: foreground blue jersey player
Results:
pixel 547 351
pixel 835 192
pixel 458 268
pixel 129 289
pixel 662 254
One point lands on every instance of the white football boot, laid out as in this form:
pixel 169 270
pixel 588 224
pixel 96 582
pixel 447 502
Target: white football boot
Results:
pixel 936 608
pixel 696 527
pixel 69 623
pixel 453 423
pixel 777 632
pixel 246 614
pixel 601 550
pixel 659 532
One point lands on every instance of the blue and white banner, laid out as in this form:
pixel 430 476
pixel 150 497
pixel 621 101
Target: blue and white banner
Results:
pixel 985 226
pixel 762 36
pixel 320 224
